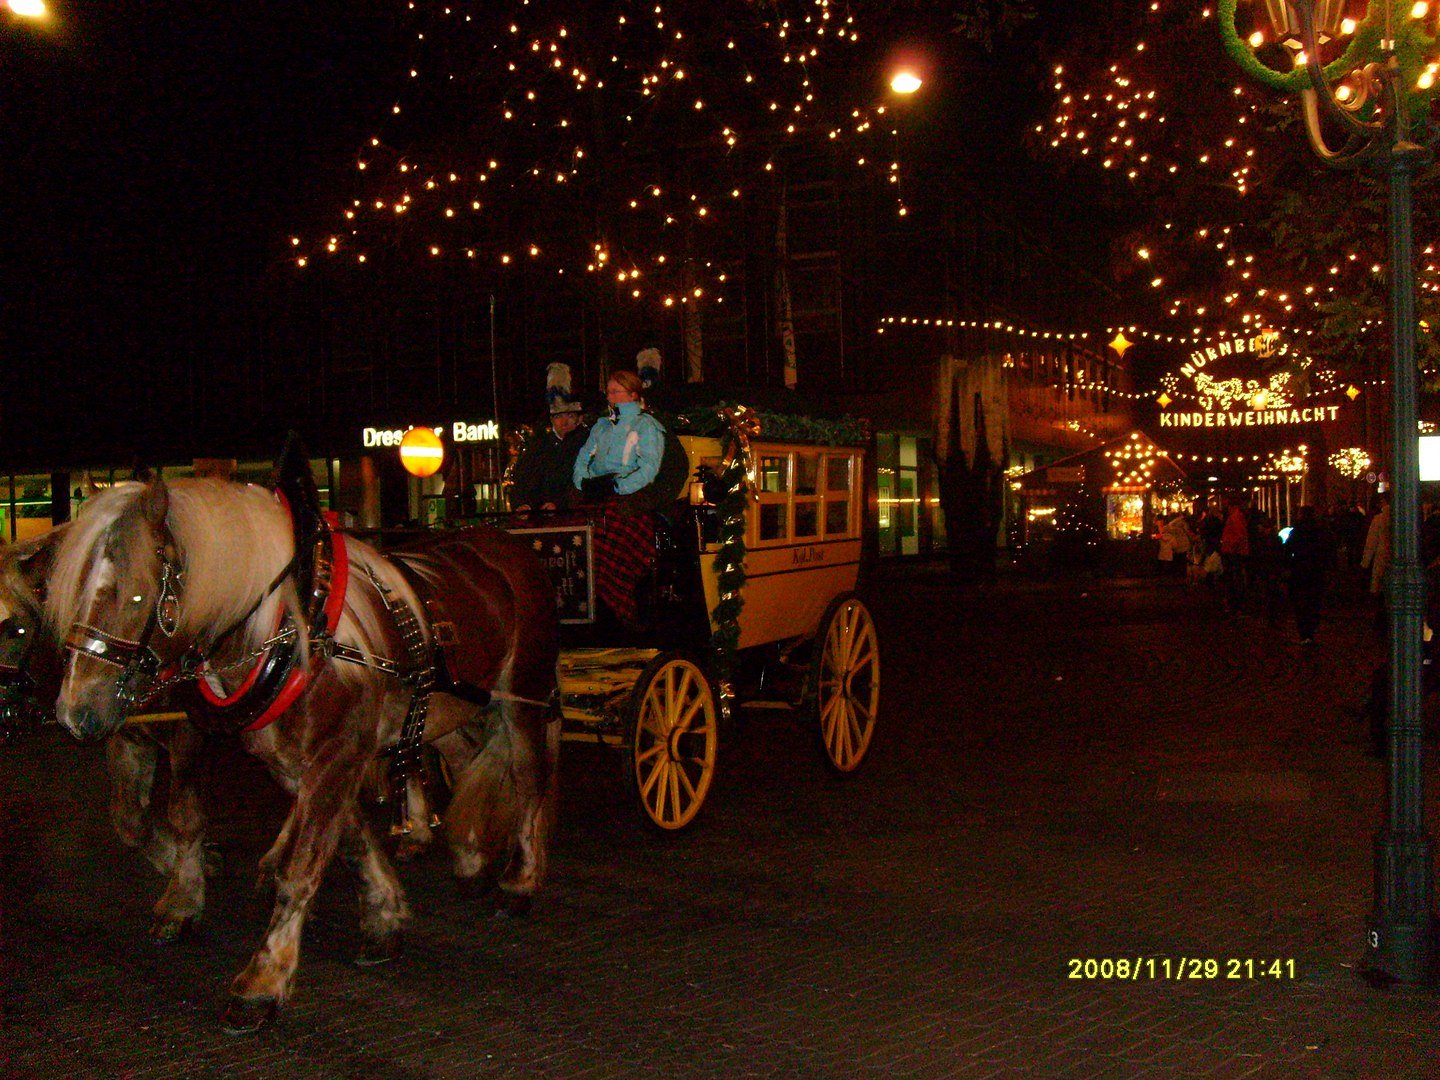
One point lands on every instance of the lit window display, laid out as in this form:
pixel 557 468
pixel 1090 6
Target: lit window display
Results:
pixel 1124 515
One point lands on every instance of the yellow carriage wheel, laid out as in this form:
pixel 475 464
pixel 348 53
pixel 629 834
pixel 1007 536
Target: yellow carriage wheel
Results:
pixel 846 682
pixel 675 740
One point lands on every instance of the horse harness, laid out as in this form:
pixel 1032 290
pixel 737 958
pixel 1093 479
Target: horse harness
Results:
pixel 321 571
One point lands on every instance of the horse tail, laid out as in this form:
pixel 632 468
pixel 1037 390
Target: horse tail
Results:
pixel 503 806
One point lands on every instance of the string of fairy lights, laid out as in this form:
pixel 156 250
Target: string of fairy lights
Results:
pixel 1130 117
pixel 563 162
pixel 1282 389
pixel 1135 460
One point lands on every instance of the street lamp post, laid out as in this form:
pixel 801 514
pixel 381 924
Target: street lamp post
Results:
pixel 1367 98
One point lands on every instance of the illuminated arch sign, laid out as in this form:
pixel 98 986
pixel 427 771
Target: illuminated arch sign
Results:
pixel 1279 398
pixel 1200 418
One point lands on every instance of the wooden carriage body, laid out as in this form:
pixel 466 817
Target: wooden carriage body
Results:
pixel 664 696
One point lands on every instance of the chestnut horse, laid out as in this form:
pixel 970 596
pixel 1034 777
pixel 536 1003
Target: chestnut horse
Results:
pixel 192 577
pixel 30 670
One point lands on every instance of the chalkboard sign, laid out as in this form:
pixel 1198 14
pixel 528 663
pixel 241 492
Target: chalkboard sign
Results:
pixel 567 553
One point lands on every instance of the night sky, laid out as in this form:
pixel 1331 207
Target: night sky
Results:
pixel 156 156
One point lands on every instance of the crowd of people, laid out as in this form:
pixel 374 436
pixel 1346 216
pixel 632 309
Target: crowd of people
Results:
pixel 1237 549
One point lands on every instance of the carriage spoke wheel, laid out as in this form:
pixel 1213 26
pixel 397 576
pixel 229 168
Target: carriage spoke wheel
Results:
pixel 846 680
pixel 675 740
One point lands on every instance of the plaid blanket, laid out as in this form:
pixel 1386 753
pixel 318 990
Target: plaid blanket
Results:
pixel 624 556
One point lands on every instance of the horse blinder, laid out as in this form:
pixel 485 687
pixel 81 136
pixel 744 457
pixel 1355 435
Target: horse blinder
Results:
pixel 137 660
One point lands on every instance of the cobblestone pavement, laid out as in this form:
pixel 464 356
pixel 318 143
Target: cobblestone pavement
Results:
pixel 1096 770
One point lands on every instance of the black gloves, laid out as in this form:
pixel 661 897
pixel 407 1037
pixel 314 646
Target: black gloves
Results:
pixel 598 487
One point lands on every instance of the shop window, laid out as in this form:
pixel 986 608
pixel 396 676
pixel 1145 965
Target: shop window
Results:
pixel 1125 515
pixel 886 463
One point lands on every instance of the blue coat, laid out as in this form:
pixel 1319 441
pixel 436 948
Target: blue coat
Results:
pixel 628 444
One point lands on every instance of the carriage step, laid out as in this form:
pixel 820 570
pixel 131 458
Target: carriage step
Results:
pixel 783 706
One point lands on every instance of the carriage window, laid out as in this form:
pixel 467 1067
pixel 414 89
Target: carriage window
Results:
pixel 772 521
pixel 807 475
pixel 775 474
pixel 837 474
pixel 807 519
pixel 837 517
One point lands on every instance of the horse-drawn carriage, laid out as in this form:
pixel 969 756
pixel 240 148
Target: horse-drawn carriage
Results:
pixel 321 652
pixel 751 599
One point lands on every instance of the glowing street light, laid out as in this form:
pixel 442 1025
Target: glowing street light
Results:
pixel 905 82
pixel 28 9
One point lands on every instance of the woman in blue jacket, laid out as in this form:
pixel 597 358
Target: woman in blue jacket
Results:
pixel 622 455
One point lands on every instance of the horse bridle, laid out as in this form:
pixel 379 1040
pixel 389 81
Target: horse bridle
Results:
pixel 136 658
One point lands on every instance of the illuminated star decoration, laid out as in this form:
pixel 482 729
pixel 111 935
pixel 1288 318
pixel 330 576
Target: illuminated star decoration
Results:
pixel 1120 343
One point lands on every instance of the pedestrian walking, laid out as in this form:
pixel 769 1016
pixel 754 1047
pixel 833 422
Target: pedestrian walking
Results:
pixel 1177 535
pixel 1309 551
pixel 1266 556
pixel 1235 550
pixel 1376 556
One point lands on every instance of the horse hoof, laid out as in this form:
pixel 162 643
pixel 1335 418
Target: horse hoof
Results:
pixel 169 931
pixel 380 950
pixel 512 905
pixel 245 1016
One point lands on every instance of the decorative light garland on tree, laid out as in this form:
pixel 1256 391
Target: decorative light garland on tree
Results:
pixel 740 86
pixel 1351 462
pixel 1130 116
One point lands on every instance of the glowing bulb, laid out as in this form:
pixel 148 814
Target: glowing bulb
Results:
pixel 905 82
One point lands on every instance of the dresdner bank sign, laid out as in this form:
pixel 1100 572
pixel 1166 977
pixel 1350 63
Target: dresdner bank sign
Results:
pixel 459 432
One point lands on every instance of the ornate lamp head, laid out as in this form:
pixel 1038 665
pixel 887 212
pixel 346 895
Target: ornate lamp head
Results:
pixel 1329 21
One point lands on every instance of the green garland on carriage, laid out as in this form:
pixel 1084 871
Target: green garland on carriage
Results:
pixel 736 425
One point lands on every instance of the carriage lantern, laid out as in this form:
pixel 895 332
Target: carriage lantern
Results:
pixel 1367 88
pixel 421 452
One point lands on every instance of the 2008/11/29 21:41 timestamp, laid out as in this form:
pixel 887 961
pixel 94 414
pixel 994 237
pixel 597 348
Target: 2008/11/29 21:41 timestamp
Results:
pixel 1177 968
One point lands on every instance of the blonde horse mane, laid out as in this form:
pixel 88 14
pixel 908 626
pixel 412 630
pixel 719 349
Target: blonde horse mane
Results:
pixel 233 540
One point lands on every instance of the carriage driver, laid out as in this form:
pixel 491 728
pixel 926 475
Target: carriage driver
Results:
pixel 622 455
pixel 543 471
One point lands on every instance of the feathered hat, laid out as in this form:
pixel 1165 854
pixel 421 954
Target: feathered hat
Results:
pixel 647 366
pixel 558 394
